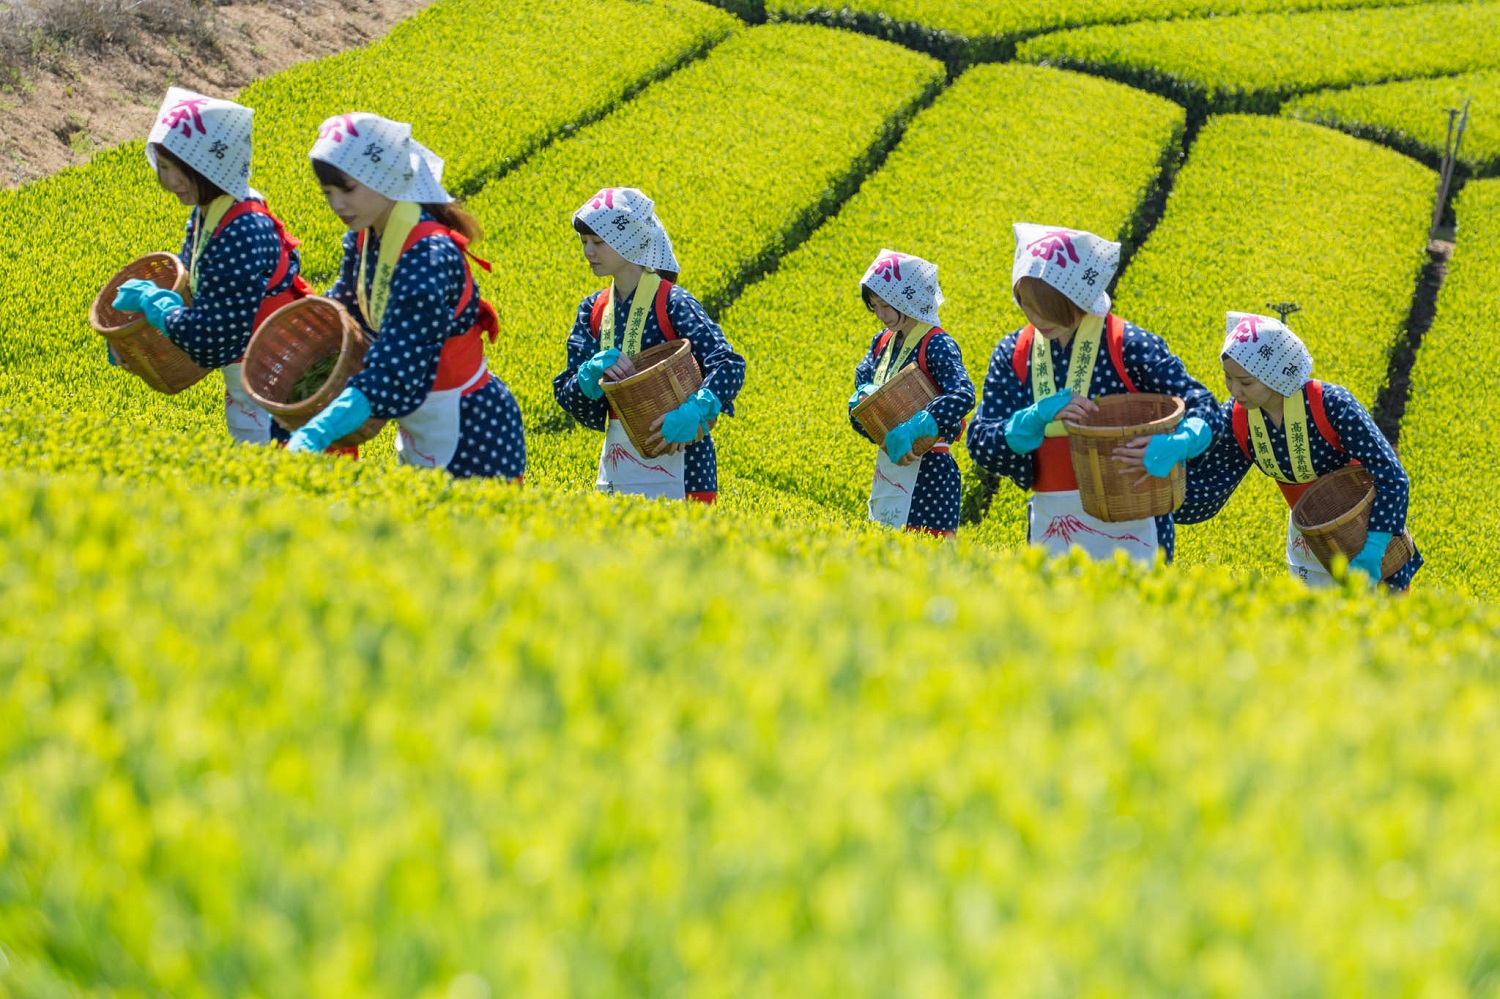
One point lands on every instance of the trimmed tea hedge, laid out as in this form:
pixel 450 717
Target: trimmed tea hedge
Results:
pixel 1255 62
pixel 973 30
pixel 1409 116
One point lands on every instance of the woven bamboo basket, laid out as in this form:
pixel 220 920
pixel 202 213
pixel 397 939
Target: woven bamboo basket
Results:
pixel 293 339
pixel 138 346
pixel 1334 516
pixel 905 395
pixel 665 375
pixel 1107 489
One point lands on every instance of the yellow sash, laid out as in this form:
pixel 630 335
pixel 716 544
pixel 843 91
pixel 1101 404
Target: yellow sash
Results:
pixel 1298 446
pixel 635 323
pixel 208 220
pixel 1080 365
pixel 890 361
pixel 403 219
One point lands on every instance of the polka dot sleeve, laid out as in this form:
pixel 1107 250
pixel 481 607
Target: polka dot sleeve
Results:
pixel 723 369
pixel 864 374
pixel 1364 442
pixel 592 413
pixel 945 362
pixel 343 288
pixel 1213 476
pixel 232 276
pixel 1004 394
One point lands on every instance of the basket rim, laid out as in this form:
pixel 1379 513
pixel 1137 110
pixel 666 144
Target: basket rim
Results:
pixel 1357 510
pixel 129 328
pixel 1157 425
pixel 678 346
pixel 347 331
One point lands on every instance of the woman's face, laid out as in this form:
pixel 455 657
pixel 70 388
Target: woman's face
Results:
pixel 602 258
pixel 1046 327
pixel 1248 391
pixel 888 314
pixel 171 177
pixel 357 206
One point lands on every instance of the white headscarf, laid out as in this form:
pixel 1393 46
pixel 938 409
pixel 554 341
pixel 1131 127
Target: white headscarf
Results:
pixel 209 135
pixel 1268 350
pixel 626 220
pixel 382 155
pixel 1076 263
pixel 907 284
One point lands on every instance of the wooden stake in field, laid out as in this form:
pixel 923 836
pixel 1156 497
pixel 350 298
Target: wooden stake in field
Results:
pixel 1451 146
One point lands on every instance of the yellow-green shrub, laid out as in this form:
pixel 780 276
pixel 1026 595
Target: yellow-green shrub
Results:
pixel 256 744
pixel 1255 62
pixel 1409 116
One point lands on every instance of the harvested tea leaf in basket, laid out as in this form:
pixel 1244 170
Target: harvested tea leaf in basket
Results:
pixel 313 378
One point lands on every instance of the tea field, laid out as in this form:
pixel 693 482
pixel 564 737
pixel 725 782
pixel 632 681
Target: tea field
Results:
pixel 290 725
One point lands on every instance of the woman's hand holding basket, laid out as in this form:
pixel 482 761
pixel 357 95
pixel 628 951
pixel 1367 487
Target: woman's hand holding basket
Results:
pixel 899 440
pixel 340 417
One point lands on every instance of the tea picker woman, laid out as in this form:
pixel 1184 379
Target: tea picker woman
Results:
pixel 916 493
pixel 624 241
pixel 1268 371
pixel 242 265
pixel 1073 348
pixel 406 279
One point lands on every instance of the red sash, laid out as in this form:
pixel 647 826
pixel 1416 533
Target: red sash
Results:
pixel 462 355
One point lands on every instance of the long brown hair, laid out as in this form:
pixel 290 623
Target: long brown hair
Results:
pixel 206 190
pixel 453 215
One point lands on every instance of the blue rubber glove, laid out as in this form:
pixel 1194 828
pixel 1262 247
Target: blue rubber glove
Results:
pixel 128 297
pixel 898 440
pixel 683 424
pixel 591 372
pixel 1369 557
pixel 343 415
pixel 1027 428
pixel 157 302
pixel 1191 438
pixel 865 388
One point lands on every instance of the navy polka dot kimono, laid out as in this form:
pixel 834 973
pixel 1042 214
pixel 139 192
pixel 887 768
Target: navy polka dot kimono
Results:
pixel 1148 361
pixel 723 372
pixel 215 330
pixel 402 362
pixel 1213 476
pixel 938 493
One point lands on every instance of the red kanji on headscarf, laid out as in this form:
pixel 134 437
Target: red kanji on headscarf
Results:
pixel 1055 244
pixel 1248 330
pixel 604 199
pixel 334 128
pixel 889 267
pixel 185 113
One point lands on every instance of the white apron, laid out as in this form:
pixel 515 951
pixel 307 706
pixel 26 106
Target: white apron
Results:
pixel 1058 523
pixel 428 436
pixel 247 422
pixel 1302 562
pixel 891 490
pixel 623 469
